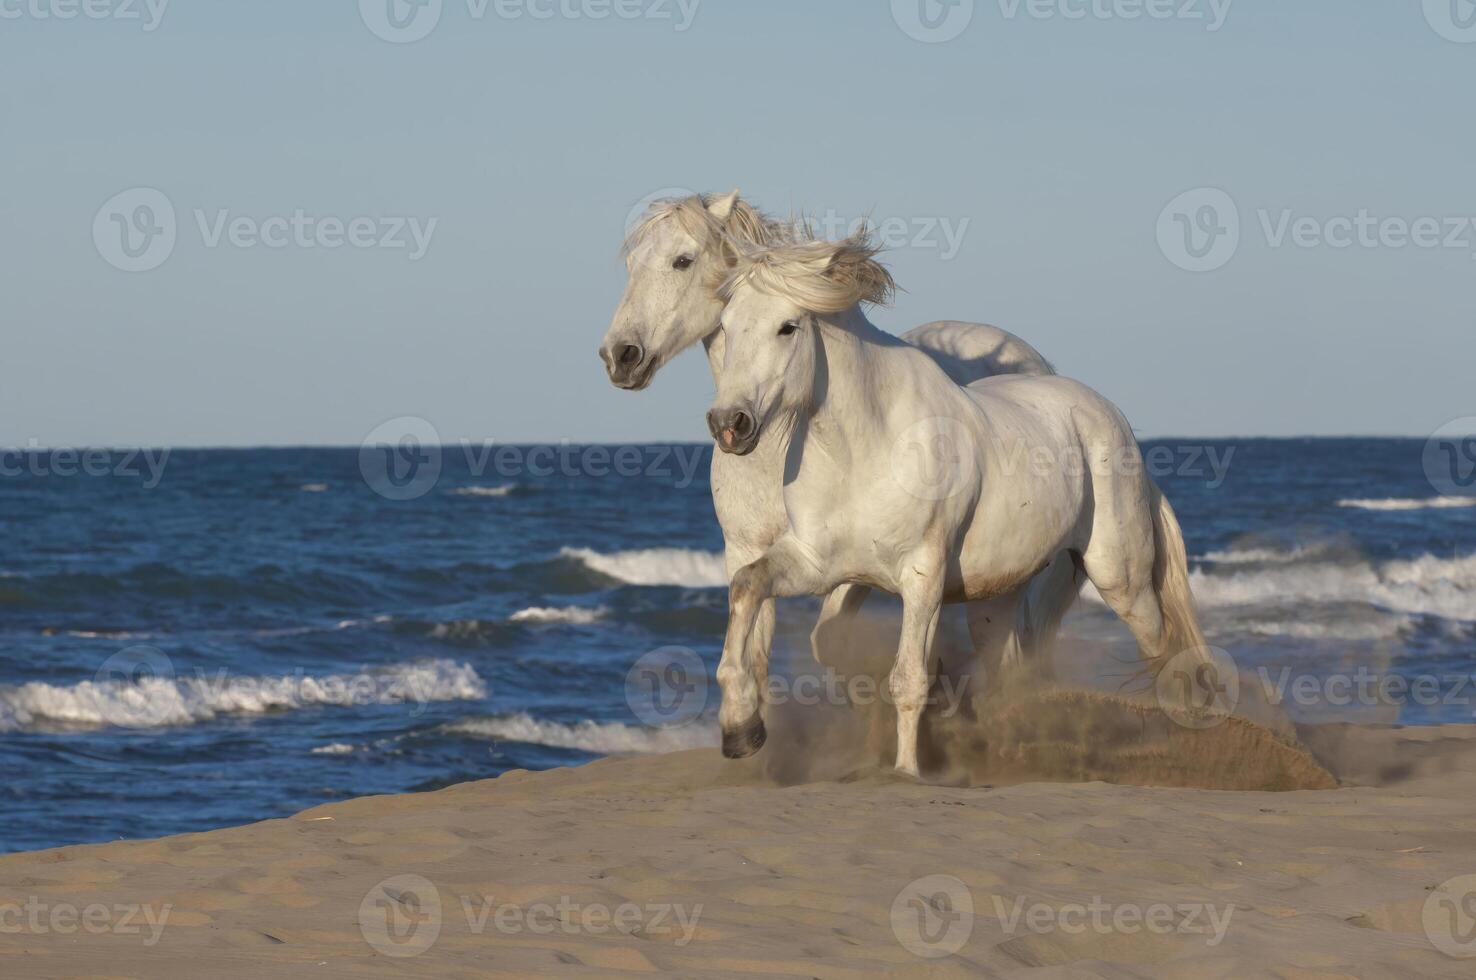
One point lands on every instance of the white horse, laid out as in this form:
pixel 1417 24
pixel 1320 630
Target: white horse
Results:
pixel 898 479
pixel 677 259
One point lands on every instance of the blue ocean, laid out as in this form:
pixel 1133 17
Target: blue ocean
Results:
pixel 209 638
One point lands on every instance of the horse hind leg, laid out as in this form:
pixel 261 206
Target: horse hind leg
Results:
pixel 840 606
pixel 995 636
pixel 1142 575
pixel 1047 599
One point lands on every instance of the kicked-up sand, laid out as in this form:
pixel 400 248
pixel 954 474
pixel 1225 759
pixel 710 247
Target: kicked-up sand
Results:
pixel 690 865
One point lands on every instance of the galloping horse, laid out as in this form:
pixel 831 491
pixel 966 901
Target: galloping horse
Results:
pixel 898 479
pixel 677 258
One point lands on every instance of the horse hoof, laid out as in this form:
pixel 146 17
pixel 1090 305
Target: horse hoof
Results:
pixel 746 739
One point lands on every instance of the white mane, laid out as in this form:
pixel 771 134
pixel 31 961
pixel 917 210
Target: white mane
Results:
pixel 819 276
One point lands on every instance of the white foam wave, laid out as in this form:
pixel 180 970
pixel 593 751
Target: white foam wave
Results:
pixel 1383 628
pixel 1428 585
pixel 499 491
pixel 574 615
pixel 107 634
pixel 607 738
pixel 166 701
pixel 314 488
pixel 343 624
pixel 336 748
pixel 657 566
pixel 1399 503
pixel 1267 555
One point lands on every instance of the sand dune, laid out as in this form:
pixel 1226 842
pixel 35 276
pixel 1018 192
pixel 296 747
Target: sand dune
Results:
pixel 689 865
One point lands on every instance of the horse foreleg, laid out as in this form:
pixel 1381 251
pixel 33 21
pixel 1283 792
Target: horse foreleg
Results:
pixel 912 674
pixel 743 671
pixel 739 716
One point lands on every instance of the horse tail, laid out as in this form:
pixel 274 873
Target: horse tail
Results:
pixel 1181 632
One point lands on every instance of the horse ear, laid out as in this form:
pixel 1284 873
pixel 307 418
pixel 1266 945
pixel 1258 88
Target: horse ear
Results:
pixel 721 207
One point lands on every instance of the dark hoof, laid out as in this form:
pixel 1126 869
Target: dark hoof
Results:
pixel 746 739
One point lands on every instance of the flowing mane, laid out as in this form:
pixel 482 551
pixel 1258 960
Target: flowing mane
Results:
pixel 819 276
pixel 744 227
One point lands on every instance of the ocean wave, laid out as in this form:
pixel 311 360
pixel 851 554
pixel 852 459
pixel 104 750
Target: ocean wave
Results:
pixel 101 634
pixel 601 738
pixel 314 488
pixel 1269 555
pixel 165 701
pixel 498 491
pixel 342 624
pixel 336 748
pixel 1385 627
pixel 1428 585
pixel 460 632
pixel 573 615
pixel 1400 503
pixel 656 566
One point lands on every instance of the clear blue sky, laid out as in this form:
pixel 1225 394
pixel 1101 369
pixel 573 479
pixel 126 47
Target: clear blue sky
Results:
pixel 1059 141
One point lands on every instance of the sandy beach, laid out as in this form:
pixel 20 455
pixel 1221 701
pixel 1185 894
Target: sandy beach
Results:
pixel 685 864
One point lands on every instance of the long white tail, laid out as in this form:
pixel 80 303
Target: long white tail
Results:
pixel 1181 630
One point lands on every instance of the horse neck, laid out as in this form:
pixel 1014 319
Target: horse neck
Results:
pixel 852 370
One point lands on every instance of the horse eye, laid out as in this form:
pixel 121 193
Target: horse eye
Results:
pixel 789 328
pixel 683 263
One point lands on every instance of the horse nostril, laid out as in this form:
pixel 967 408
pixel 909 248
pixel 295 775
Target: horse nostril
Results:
pixel 631 355
pixel 742 424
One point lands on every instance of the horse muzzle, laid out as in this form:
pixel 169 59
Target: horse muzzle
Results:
pixel 735 430
pixel 628 366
